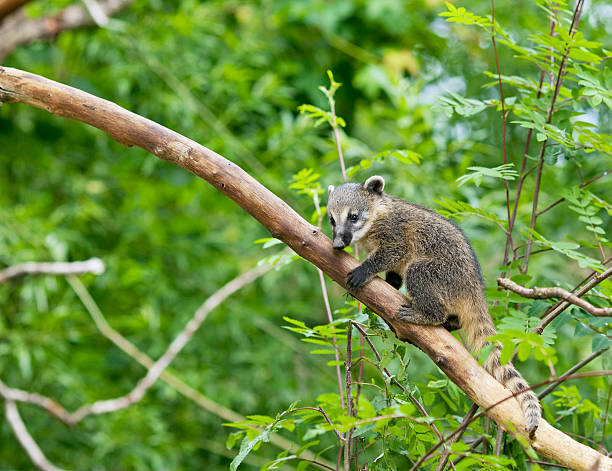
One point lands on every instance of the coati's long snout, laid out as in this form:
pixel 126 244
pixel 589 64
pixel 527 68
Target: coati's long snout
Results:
pixel 341 240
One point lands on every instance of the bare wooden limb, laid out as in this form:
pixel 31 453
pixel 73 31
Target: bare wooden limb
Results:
pixel 9 6
pixel 46 403
pixel 562 305
pixel 553 292
pixel 304 238
pixel 554 383
pixel 19 29
pixel 26 440
pixel 93 265
pixel 170 378
pixel 154 372
pixel 57 410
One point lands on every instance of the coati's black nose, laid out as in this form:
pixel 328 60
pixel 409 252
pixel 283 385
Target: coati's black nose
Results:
pixel 338 244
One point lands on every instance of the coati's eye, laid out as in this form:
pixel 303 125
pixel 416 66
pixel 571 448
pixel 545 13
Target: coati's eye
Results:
pixel 353 217
pixel 331 221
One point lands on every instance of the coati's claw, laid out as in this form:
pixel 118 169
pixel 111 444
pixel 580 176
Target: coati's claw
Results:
pixel 356 278
pixel 406 313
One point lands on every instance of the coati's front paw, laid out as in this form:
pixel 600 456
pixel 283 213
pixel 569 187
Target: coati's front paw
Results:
pixel 357 278
pixel 406 313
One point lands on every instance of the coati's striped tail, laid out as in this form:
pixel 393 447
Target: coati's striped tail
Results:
pixel 512 379
pixel 477 331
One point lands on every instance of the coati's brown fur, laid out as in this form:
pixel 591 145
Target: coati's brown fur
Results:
pixel 431 256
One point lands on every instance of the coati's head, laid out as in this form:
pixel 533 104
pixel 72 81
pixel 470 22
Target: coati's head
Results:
pixel 351 207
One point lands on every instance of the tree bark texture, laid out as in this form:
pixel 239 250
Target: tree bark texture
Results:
pixel 9 6
pixel 305 239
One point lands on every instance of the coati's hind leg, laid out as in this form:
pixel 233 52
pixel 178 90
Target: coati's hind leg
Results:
pixel 394 279
pixel 423 286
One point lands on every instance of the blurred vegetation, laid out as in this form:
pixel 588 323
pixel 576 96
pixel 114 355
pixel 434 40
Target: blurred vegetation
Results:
pixel 231 75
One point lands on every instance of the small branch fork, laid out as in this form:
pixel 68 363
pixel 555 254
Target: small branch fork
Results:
pixel 553 292
pixel 305 239
pixel 171 379
pixel 155 370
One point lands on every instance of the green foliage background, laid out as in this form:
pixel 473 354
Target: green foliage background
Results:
pixel 231 75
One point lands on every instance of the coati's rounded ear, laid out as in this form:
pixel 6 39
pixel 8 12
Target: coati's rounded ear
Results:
pixel 375 184
pixel 330 188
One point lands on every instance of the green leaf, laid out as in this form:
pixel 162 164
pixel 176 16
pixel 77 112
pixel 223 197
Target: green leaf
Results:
pixel 232 439
pixel 456 209
pixel 600 341
pixel 505 172
pixel 246 447
pixel 507 352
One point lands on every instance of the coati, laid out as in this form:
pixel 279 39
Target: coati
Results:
pixel 432 257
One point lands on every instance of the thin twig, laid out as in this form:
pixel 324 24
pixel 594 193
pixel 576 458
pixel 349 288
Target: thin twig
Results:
pixel 503 113
pixel 46 403
pixel 295 457
pixel 558 82
pixel 327 419
pixel 93 265
pixel 582 185
pixel 432 450
pixel 468 417
pixel 26 440
pixel 561 306
pixel 97 13
pixel 171 379
pixel 550 388
pixel 414 400
pixel 332 107
pixel 136 394
pixel 348 445
pixel 519 188
pixel 155 370
pixel 330 319
pixel 524 174
pixel 553 292
pixel 498 441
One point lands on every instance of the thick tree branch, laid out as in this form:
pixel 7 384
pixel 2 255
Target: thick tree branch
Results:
pixel 9 6
pixel 553 292
pixel 304 238
pixel 18 29
pixel 93 265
